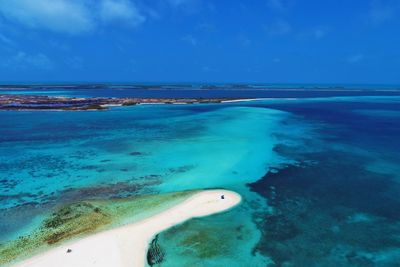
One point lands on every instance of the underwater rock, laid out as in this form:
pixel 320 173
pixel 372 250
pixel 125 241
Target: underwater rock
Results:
pixel 155 254
pixel 135 153
pixel 181 169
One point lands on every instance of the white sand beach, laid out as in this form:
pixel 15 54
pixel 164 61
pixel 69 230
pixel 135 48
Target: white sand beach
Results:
pixel 127 245
pixel 242 100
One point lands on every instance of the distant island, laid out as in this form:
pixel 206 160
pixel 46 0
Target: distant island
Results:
pixel 35 102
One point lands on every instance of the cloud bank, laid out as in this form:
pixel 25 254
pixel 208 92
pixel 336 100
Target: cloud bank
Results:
pixel 70 16
pixel 121 11
pixel 24 61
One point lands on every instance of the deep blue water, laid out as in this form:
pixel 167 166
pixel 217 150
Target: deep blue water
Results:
pixel 204 90
pixel 339 204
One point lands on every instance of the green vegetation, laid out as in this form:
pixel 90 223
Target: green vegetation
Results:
pixel 77 220
pixel 205 244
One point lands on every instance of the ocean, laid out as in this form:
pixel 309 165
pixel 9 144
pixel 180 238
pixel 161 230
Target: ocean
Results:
pixel 318 170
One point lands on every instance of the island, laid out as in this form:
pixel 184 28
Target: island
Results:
pixel 40 102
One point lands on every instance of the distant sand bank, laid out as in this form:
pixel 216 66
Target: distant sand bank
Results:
pixel 242 100
pixel 127 245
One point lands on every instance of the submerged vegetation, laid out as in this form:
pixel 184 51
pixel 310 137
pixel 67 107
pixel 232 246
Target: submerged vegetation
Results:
pixel 83 218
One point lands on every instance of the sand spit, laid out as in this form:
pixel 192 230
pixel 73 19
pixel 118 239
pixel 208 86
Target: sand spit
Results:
pixel 127 245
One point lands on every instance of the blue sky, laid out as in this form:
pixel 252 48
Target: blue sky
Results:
pixel 260 41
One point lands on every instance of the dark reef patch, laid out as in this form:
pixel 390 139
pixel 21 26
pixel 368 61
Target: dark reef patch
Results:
pixel 155 254
pixel 331 211
pixel 66 222
pixel 28 205
pixel 135 153
pixel 181 169
pixel 107 191
pixel 62 223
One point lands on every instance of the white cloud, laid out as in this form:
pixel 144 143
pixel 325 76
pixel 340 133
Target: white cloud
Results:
pixel 279 27
pixel 280 5
pixel 55 15
pixel 244 40
pixel 188 6
pixel 22 61
pixel 207 27
pixel 70 16
pixel 276 4
pixel 319 33
pixel 120 11
pixel 356 58
pixel 209 69
pixel 59 45
pixel 190 39
pixel 316 33
pixel 74 62
pixel 4 39
pixel 177 3
pixel 381 11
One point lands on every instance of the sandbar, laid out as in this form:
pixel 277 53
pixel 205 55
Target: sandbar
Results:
pixel 127 245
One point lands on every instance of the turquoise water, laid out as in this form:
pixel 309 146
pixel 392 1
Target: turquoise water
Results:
pixel 48 158
pixel 310 171
pixel 48 152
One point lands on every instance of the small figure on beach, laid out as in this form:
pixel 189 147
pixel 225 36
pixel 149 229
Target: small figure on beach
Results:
pixel 222 197
pixel 69 250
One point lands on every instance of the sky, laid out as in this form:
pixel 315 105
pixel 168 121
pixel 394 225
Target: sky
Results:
pixel 254 41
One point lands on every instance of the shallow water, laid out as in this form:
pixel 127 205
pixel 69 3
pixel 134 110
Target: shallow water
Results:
pixel 336 204
pixel 319 177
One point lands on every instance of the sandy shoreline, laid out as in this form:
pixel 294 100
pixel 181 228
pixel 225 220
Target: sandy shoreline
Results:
pixel 127 245
pixel 242 100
